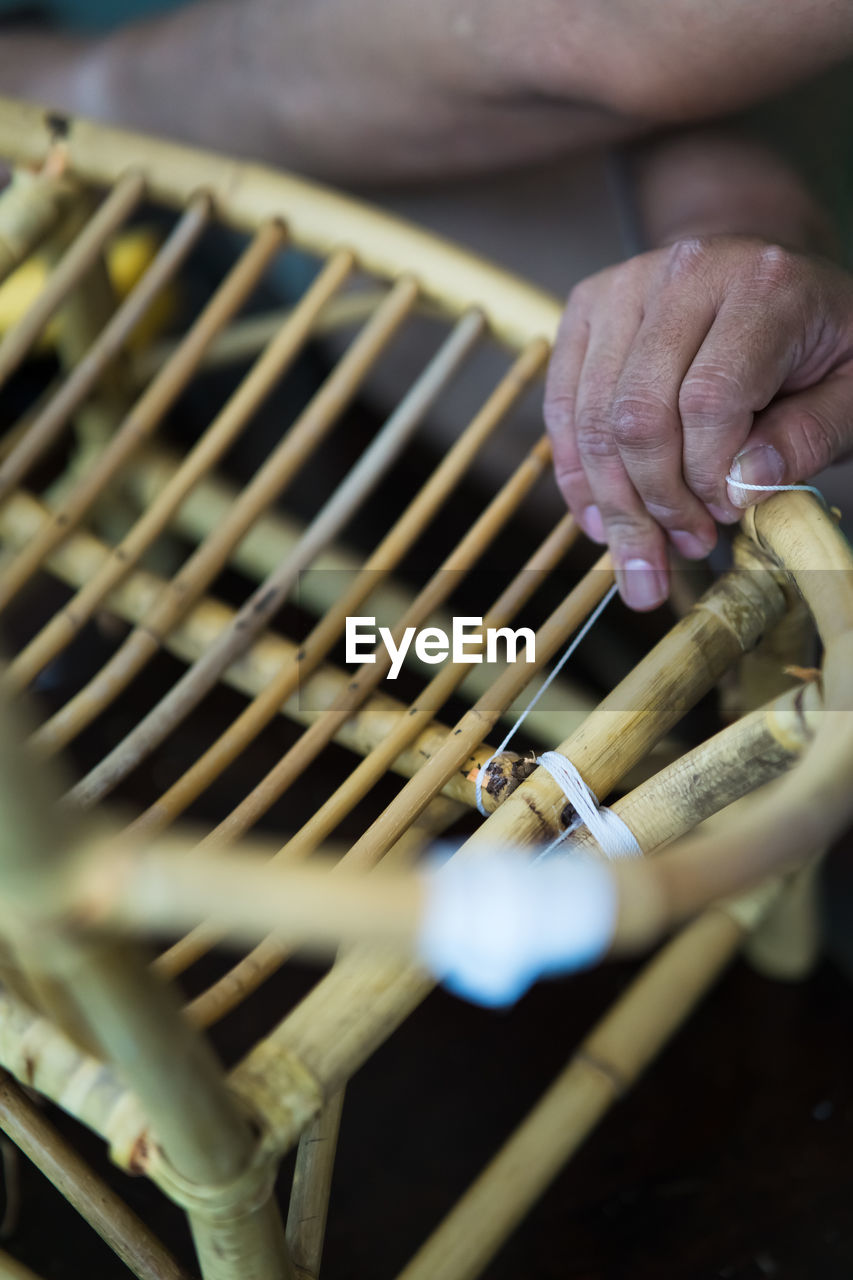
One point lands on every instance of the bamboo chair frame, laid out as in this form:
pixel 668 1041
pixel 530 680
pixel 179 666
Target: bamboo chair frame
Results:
pixel 83 1019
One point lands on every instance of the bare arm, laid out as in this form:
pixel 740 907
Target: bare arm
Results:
pixel 379 89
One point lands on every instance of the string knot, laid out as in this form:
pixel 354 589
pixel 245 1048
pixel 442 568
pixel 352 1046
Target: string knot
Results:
pixel 612 834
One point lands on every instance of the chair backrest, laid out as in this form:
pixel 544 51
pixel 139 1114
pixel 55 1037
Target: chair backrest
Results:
pixel 139 578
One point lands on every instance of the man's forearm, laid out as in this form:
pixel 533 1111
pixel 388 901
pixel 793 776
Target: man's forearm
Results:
pixel 705 183
pixel 344 89
pixel 367 89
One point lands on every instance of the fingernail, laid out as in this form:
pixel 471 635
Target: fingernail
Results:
pixel 762 464
pixel 690 544
pixel 721 515
pixel 641 585
pixel 592 524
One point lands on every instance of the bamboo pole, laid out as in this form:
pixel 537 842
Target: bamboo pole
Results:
pixel 174 882
pixel 787 822
pixel 52 416
pixel 96 1202
pixel 245 195
pixel 248 335
pixel 73 267
pixel 786 945
pixel 246 976
pixel 147 414
pixel 88 308
pixel 727 621
pixel 309 1202
pixel 30 208
pixel 315 1153
pixel 220 435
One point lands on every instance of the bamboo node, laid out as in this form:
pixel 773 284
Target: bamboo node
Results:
pixel 617 1081
pixel 225 1201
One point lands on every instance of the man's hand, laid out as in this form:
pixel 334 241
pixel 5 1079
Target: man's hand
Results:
pixel 714 356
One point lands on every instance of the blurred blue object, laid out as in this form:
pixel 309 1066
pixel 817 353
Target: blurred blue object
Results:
pixel 88 15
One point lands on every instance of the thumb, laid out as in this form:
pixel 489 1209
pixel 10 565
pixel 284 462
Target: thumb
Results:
pixel 794 439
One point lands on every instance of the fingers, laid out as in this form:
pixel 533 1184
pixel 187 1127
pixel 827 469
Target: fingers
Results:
pixel 748 354
pixel 662 376
pixel 637 544
pixel 796 438
pixel 559 410
pixel 646 419
pixel 597 332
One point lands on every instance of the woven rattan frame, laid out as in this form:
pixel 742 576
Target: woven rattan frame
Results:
pixel 82 1019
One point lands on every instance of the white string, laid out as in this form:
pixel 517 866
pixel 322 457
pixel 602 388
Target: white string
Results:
pixel 777 488
pixel 590 622
pixel 610 832
pixel 607 828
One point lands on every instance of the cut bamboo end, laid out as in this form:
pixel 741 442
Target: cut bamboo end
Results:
pixel 31 206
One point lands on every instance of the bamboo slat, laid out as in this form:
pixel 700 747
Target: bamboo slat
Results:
pixel 309 1202
pixel 220 435
pixel 75 263
pixel 305 435
pixel 359 686
pixel 148 412
pixel 274 536
pixel 83 555
pixel 214 552
pixel 47 423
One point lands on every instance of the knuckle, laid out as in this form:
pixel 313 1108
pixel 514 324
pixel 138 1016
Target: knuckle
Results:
pixel 624 526
pixel 641 420
pixel 568 476
pixel 668 514
pixel 559 413
pixel 819 442
pixel 593 433
pixel 708 394
pixel 706 482
pixel 686 257
pixel 775 267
